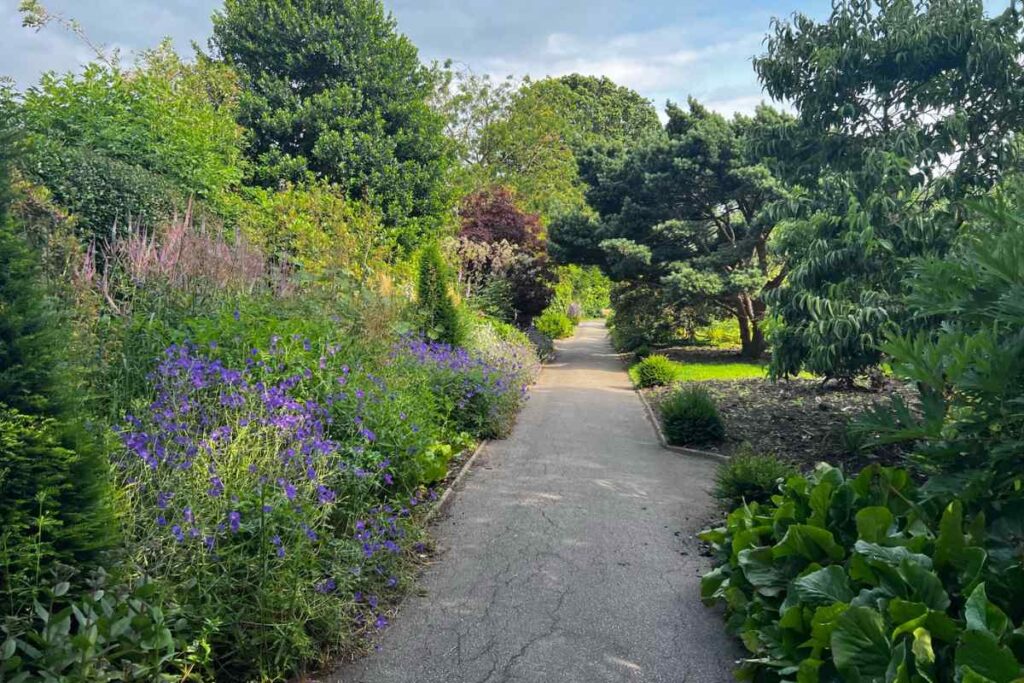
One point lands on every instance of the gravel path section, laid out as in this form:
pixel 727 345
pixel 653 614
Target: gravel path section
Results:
pixel 568 554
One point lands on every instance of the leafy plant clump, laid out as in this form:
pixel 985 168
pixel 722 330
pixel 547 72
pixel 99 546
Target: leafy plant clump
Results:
pixel 867 579
pixel 655 371
pixel 690 418
pixel 750 477
pixel 555 324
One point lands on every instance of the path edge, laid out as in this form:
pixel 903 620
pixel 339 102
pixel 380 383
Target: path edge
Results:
pixel 445 500
pixel 652 417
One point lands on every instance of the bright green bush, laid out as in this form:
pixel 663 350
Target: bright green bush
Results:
pixel 555 324
pixel 655 371
pixel 749 477
pixel 690 418
pixel 866 578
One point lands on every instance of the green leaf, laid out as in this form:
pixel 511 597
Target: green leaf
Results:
pixel 820 498
pixel 808 671
pixel 824 586
pixel 757 566
pixel 809 542
pixel 980 652
pixel 823 622
pixel 982 615
pixel 924 584
pixel 860 647
pixel 897 671
pixel 873 523
pixel 924 654
pixel 950 542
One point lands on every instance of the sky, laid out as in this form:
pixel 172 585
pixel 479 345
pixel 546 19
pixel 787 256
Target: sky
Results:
pixel 664 49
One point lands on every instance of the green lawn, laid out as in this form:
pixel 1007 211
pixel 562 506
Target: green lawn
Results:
pixel 698 372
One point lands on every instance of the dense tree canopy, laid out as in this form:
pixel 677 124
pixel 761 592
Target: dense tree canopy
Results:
pixel 333 91
pixel 904 110
pixel 688 212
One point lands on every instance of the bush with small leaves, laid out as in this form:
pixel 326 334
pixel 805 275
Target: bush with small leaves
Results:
pixel 750 476
pixel 690 418
pixel 555 324
pixel 655 371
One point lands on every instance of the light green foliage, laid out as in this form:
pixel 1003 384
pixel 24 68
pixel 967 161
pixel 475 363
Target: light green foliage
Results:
pixel 531 135
pixel 655 371
pixel 749 477
pixel 119 146
pixel 719 334
pixel 688 212
pixel 314 227
pixel 849 578
pixel 351 107
pixel 905 109
pixel 554 324
pixel 690 417
pixel 441 318
pixel 585 286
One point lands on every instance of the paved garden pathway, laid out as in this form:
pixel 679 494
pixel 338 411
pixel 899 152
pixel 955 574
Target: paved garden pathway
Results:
pixel 568 552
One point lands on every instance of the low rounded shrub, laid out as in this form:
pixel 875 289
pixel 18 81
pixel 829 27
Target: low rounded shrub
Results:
pixel 690 418
pixel 655 371
pixel 554 324
pixel 749 477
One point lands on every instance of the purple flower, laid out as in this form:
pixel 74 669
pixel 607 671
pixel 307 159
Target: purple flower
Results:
pixel 381 622
pixel 234 521
pixel 178 533
pixel 326 586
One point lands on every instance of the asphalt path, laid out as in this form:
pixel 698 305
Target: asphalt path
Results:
pixel 568 553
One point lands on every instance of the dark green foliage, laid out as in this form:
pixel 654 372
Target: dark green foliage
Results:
pixel 749 477
pixel 51 474
pixel 904 110
pixel 350 106
pixel 655 371
pixel 103 635
pixel 107 195
pixel 687 212
pixel 848 578
pixel 440 317
pixel 554 324
pixel 690 418
pixel 969 367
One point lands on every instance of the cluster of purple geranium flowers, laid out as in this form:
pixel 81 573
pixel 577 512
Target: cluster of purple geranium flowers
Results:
pixel 483 390
pixel 241 463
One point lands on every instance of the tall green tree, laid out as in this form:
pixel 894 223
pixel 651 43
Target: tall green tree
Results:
pixel 905 109
pixel 687 214
pixel 331 90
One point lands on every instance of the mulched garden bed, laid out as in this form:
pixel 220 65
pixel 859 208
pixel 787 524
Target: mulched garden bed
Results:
pixel 799 420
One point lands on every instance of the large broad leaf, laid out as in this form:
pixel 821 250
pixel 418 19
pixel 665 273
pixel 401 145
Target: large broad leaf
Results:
pixel 819 502
pixel 757 565
pixel 981 653
pixel 910 616
pixel 924 585
pixel 823 623
pixel 873 523
pixel 982 615
pixel 951 541
pixel 824 586
pixel 809 542
pixel 890 556
pixel 860 647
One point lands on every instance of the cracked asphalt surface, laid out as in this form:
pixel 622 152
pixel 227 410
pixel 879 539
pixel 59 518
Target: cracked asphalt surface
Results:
pixel 568 553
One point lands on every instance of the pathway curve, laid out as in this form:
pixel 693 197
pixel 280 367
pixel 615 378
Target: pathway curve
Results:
pixel 569 552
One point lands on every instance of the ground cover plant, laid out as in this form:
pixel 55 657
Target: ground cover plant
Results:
pixel 690 418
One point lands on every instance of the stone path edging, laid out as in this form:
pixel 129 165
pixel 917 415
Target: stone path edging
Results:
pixel 445 500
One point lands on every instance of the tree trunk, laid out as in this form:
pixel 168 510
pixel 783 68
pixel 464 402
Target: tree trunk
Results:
pixel 749 316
